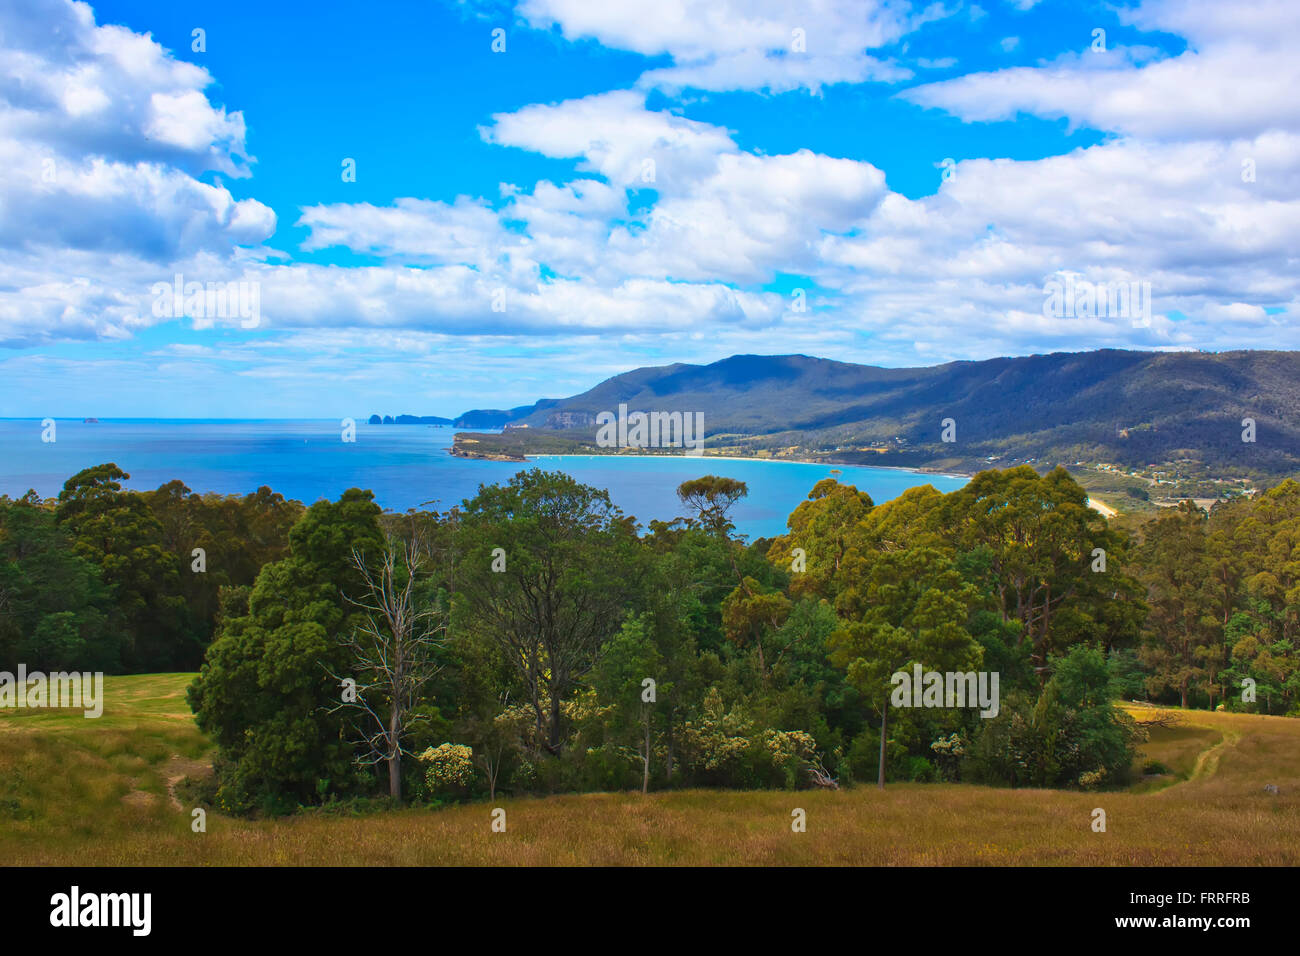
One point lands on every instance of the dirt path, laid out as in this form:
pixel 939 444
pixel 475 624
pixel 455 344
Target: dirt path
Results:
pixel 1208 762
pixel 177 769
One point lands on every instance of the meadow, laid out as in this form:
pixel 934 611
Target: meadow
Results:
pixel 110 792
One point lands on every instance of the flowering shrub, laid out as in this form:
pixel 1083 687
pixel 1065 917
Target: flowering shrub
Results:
pixel 1092 778
pixel 789 748
pixel 450 767
pixel 718 740
pixel 726 747
pixel 789 751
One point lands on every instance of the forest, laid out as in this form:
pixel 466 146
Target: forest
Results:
pixel 535 639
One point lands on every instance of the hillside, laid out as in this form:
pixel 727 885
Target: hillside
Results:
pixel 119 791
pixel 1133 409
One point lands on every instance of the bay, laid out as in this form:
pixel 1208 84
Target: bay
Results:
pixel 406 466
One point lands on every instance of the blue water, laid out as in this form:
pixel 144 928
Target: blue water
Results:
pixel 405 465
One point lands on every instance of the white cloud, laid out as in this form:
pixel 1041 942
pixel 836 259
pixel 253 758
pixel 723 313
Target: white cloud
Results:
pixel 974 257
pixel 671 235
pixel 459 300
pixel 744 44
pixel 465 231
pixel 721 214
pixel 616 137
pixel 74 88
pixel 1236 79
pixel 753 217
pixel 102 136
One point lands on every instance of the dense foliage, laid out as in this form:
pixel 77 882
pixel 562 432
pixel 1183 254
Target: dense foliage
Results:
pixel 125 582
pixel 577 651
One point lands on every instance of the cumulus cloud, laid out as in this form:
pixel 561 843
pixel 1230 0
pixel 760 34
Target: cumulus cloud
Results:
pixel 1235 79
pixel 961 270
pixel 617 137
pixel 462 231
pixel 75 88
pixel 744 44
pixel 671 237
pixel 103 135
pixel 720 214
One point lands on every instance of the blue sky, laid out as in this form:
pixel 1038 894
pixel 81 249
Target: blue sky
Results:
pixel 626 183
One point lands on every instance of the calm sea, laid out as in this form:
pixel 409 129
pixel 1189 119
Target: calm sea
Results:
pixel 404 465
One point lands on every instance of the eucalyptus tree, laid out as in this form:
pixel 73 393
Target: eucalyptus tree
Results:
pixel 548 570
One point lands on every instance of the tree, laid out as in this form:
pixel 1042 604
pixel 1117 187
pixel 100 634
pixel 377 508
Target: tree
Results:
pixel 1182 627
pixel 1255 551
pixel 684 585
pixel 116 531
pixel 1040 537
pixel 393 649
pixel 827 528
pixel 626 661
pixel 237 537
pixel 1072 735
pixel 904 607
pixel 749 610
pixel 499 737
pixel 712 498
pixel 569 563
pixel 54 607
pixel 264 694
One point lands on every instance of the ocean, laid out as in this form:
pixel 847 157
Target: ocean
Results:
pixel 406 466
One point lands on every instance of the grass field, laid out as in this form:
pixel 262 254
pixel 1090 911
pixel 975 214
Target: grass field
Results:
pixel 101 792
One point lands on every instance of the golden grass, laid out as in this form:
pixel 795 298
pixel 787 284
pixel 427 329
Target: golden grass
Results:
pixel 95 793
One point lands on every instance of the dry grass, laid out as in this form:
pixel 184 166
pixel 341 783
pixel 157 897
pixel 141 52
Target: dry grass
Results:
pixel 96 793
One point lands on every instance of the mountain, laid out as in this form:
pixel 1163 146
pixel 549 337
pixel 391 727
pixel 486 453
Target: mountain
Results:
pixel 1108 406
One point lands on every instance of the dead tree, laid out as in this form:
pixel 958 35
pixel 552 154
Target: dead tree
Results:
pixel 1165 719
pixel 821 776
pixel 393 653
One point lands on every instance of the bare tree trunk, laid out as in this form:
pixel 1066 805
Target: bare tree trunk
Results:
pixel 884 724
pixel 392 651
pixel 645 777
pixel 553 736
pixel 395 761
pixel 669 766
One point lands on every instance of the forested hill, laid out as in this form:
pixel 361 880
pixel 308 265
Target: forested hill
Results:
pixel 1125 407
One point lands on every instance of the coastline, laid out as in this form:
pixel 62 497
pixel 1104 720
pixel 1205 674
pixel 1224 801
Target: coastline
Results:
pixel 777 461
pixel 1096 504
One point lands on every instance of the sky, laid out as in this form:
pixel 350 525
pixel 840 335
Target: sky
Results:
pixel 426 207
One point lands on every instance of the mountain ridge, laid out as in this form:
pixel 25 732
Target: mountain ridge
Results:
pixel 1128 407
